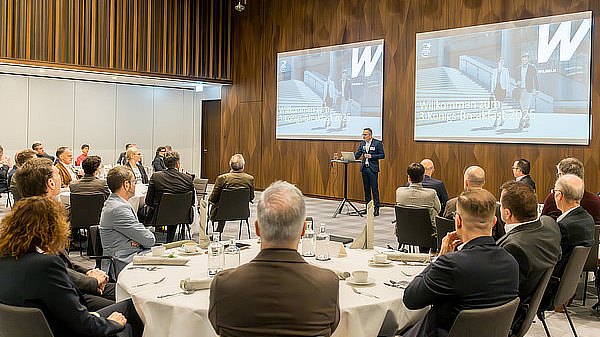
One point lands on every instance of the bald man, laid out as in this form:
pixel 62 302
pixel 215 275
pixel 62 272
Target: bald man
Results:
pixel 437 185
pixel 473 179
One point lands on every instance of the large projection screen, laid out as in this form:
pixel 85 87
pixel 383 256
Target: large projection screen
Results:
pixel 524 81
pixel 330 93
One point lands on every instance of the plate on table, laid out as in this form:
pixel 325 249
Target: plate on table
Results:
pixel 351 280
pixel 385 263
pixel 182 251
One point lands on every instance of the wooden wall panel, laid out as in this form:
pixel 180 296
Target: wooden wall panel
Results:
pixel 180 38
pixel 271 26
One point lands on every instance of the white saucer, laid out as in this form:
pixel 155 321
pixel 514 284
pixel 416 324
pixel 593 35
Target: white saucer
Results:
pixel 181 251
pixel 351 280
pixel 386 263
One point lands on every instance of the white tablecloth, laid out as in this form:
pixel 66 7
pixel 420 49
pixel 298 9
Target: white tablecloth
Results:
pixel 137 201
pixel 187 315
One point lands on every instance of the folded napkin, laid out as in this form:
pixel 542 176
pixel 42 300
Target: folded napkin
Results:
pixel 140 260
pixel 177 244
pixel 342 275
pixel 408 257
pixel 189 284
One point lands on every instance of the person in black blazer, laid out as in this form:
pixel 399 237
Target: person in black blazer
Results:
pixel 521 169
pixel 436 184
pixel 33 276
pixel 158 163
pixel 462 277
pixel 371 151
pixel 535 243
pixel 170 181
pixel 134 162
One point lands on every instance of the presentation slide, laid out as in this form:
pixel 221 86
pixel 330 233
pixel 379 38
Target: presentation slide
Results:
pixel 524 81
pixel 330 93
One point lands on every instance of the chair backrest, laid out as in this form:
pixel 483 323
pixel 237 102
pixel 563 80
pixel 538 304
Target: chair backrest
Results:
pixel 23 322
pixel 443 226
pixel 200 185
pixel 413 226
pixel 86 209
pixel 570 277
pixel 175 209
pixel 591 264
pixel 534 303
pixel 234 204
pixel 94 241
pixel 489 322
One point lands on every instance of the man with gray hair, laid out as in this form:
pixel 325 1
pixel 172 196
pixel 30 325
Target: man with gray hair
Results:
pixel 277 293
pixel 473 179
pixel 590 201
pixel 233 180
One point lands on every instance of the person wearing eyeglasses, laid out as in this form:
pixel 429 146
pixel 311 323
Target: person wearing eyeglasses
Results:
pixel 371 150
pixel 134 158
pixel 158 164
pixel 521 169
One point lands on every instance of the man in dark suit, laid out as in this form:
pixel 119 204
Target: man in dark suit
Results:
pixel 462 277
pixel 528 87
pixel 371 151
pixel 40 152
pixel 533 241
pixel 436 184
pixel 169 181
pixel 346 98
pixel 590 201
pixel 277 293
pixel 521 169
pixel 90 183
pixel 234 179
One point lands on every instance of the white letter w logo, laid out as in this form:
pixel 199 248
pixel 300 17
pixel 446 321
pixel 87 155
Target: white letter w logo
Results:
pixel 562 36
pixel 365 60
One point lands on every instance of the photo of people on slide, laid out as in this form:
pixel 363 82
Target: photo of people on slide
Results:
pixel 331 92
pixel 524 81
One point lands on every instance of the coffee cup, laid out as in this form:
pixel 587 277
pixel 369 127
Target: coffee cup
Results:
pixel 360 276
pixel 190 247
pixel 158 250
pixel 380 258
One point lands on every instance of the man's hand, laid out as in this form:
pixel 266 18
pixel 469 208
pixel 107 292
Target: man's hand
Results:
pixel 134 244
pixel 449 243
pixel 367 155
pixel 118 317
pixel 100 276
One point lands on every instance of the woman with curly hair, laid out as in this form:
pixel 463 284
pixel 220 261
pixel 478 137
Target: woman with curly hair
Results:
pixel 31 236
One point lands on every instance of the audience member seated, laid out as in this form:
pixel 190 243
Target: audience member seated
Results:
pixel 576 228
pixel 4 169
pixel 473 179
pixel 134 158
pixel 590 201
pixel 20 159
pixel 168 181
pixel 122 235
pixel 521 169
pixel 462 277
pixel 158 163
pixel 416 195
pixel 4 158
pixel 31 236
pixel 437 185
pixel 235 179
pixel 242 300
pixel 534 242
pixel 38 177
pixel 90 183
pixel 40 152
pixel 85 149
pixel 65 166
pixel 122 160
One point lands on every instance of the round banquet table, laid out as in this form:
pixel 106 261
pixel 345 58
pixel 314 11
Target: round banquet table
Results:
pixel 186 315
pixel 137 201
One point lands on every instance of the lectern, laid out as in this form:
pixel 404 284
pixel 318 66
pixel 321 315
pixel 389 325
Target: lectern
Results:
pixel 345 200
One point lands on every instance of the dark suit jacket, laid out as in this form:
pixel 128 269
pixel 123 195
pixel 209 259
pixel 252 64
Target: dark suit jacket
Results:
pixel 169 181
pixel 528 181
pixel 90 185
pixel 439 188
pixel 576 229
pixel 158 164
pixel 142 171
pixel 460 280
pixel 531 78
pixel 536 247
pixel 590 202
pixel 376 152
pixel 41 281
pixel 276 294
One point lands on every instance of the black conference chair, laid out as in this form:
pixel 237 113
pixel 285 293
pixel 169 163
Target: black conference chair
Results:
pixel 534 304
pixel 591 264
pixel 200 185
pixel 175 210
pixel 234 205
pixel 97 254
pixel 489 322
pixel 443 226
pixel 23 322
pixel 413 227
pixel 568 285
pixel 85 212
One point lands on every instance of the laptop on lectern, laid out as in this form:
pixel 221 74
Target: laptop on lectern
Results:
pixel 347 156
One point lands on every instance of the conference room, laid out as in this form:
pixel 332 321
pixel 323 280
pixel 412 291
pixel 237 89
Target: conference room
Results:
pixel 299 168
